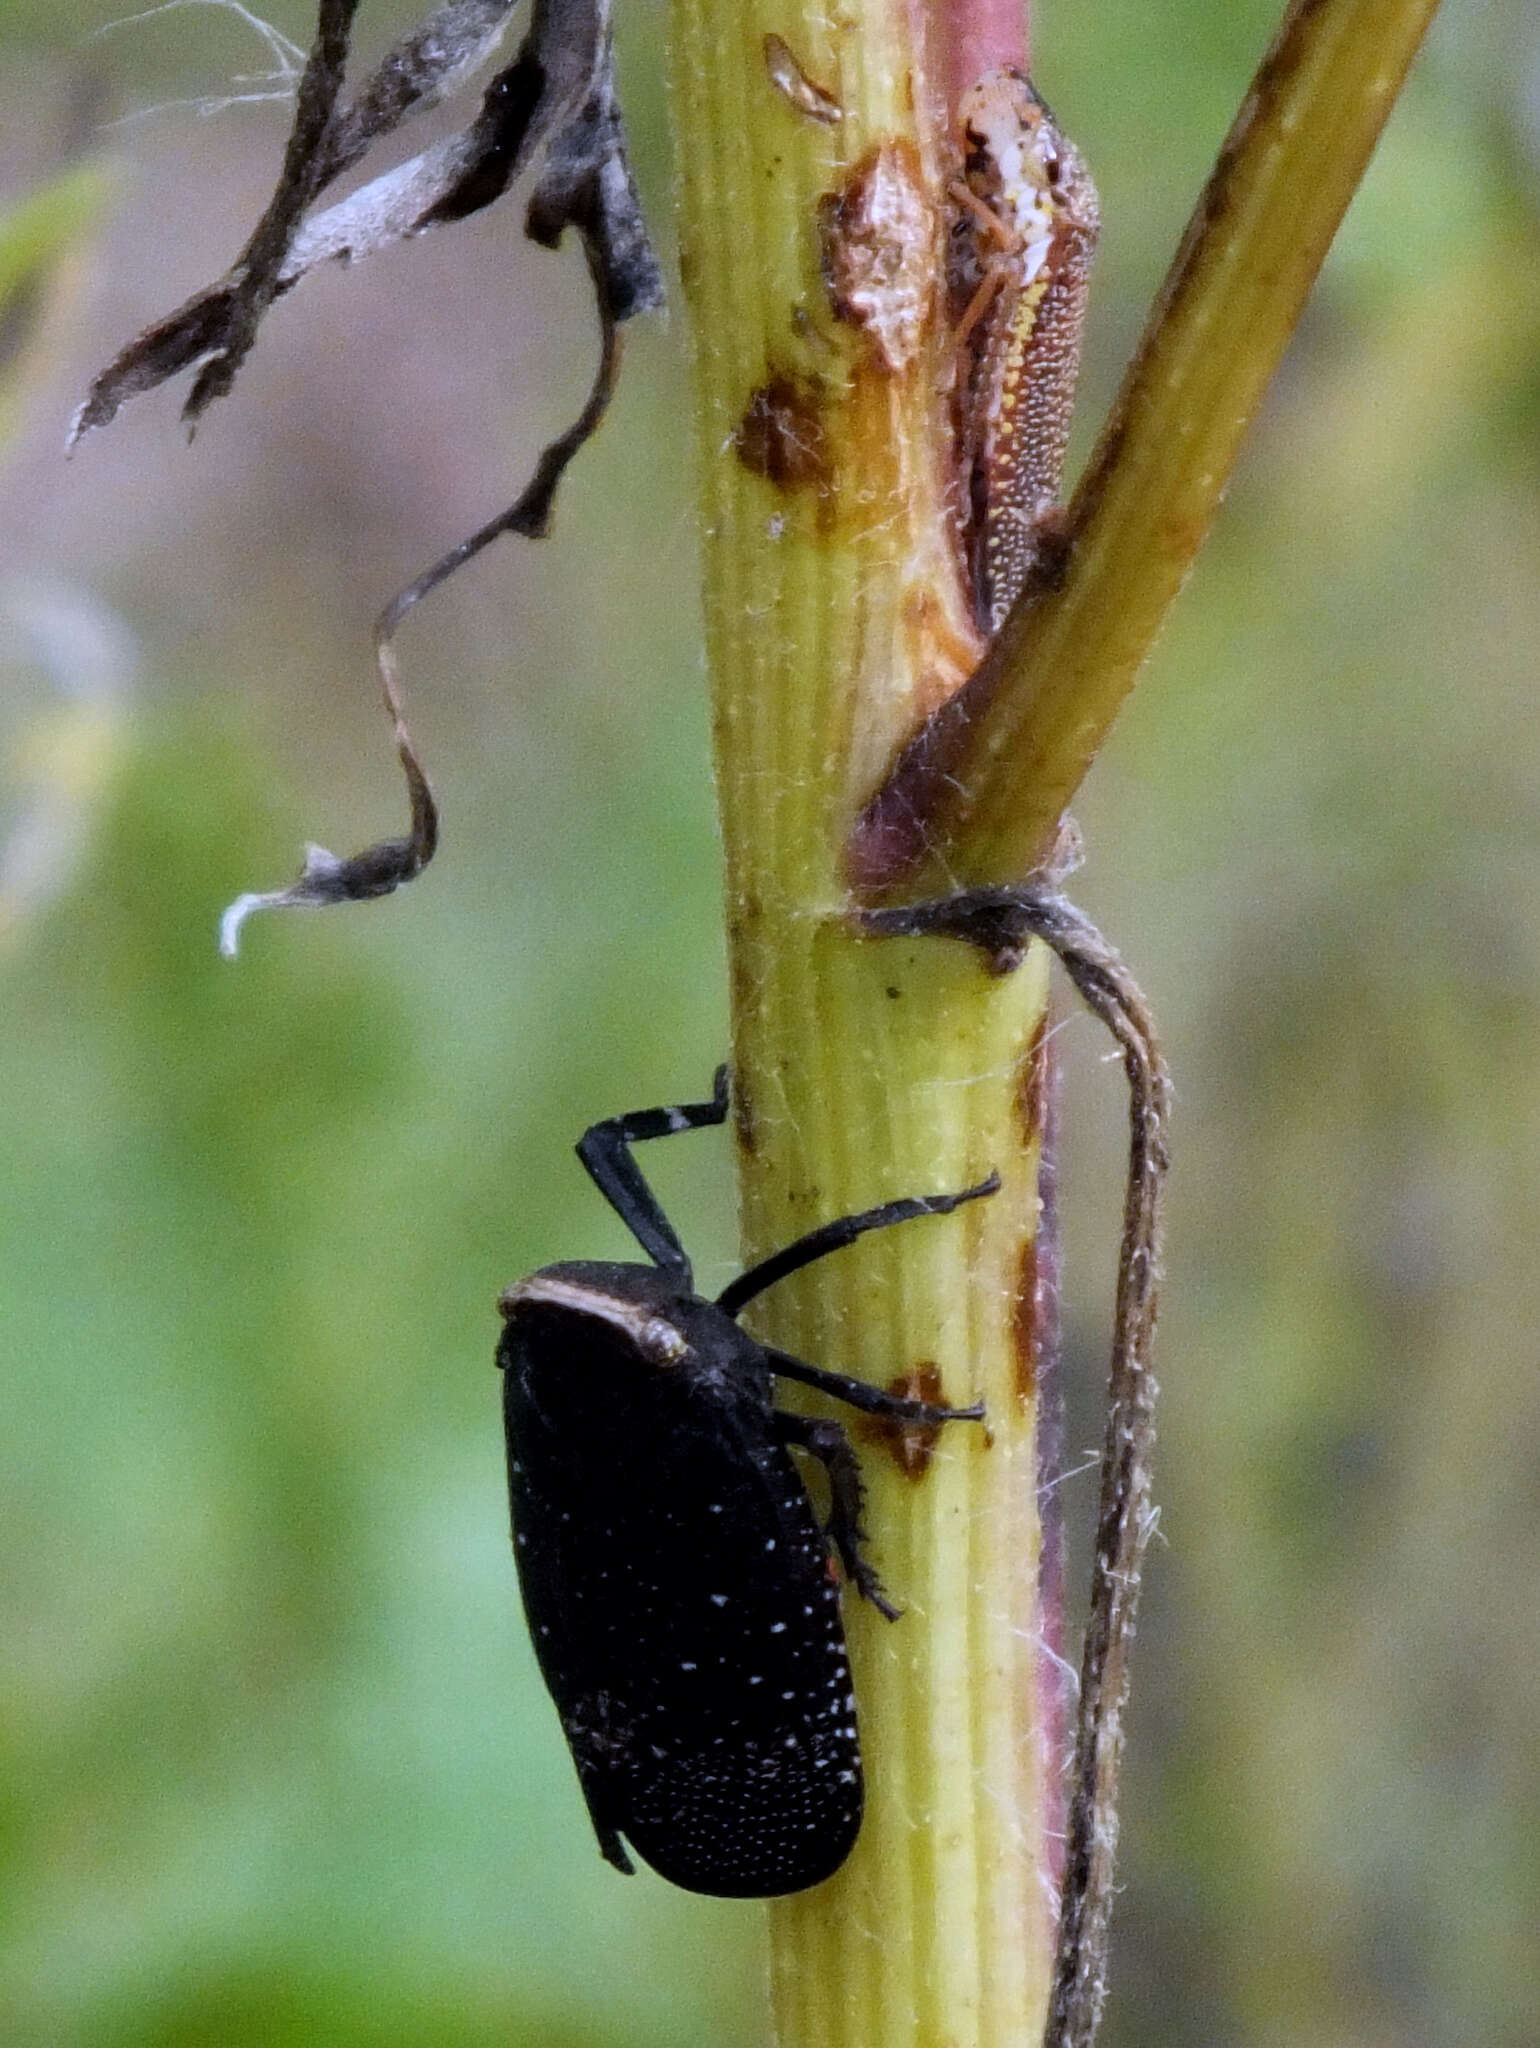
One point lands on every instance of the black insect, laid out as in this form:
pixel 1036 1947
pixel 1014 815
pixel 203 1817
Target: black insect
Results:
pixel 679 1589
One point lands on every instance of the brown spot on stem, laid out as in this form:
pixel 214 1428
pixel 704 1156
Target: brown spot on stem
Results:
pixel 1282 61
pixel 909 1444
pixel 781 436
pixel 742 976
pixel 1027 1322
pixel 878 246
pixel 894 832
pixel 1032 1085
pixel 744 1121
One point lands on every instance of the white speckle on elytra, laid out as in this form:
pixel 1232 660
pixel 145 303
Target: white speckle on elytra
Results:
pixel 777 1628
pixel 719 1599
pixel 769 1543
pixel 686 1665
pixel 755 1678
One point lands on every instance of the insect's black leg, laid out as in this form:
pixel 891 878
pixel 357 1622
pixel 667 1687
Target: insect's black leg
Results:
pixel 605 1150
pixel 840 1386
pixel 828 1443
pixel 831 1237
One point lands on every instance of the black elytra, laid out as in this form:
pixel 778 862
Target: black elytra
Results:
pixel 679 1588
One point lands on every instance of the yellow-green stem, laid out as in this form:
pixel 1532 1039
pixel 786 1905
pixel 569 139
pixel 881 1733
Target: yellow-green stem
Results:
pixel 867 1069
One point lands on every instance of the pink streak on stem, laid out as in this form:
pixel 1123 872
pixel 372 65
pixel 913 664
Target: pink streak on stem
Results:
pixel 977 35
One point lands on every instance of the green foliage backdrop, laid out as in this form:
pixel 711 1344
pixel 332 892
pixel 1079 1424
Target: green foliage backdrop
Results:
pixel 277 1766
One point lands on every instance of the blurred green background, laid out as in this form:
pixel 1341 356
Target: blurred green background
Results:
pixel 277 1768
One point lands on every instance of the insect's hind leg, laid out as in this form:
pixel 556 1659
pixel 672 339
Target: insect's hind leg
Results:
pixel 605 1150
pixel 828 1443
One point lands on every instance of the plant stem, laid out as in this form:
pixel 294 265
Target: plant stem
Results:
pixel 812 249
pixel 867 1068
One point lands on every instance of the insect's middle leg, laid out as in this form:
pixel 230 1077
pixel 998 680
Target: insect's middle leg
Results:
pixel 844 1386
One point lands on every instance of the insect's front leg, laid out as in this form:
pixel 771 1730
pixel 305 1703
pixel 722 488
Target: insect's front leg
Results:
pixel 999 268
pixel 605 1150
pixel 985 216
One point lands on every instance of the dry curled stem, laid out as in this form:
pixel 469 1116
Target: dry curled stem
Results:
pixel 328 878
pixel 558 96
